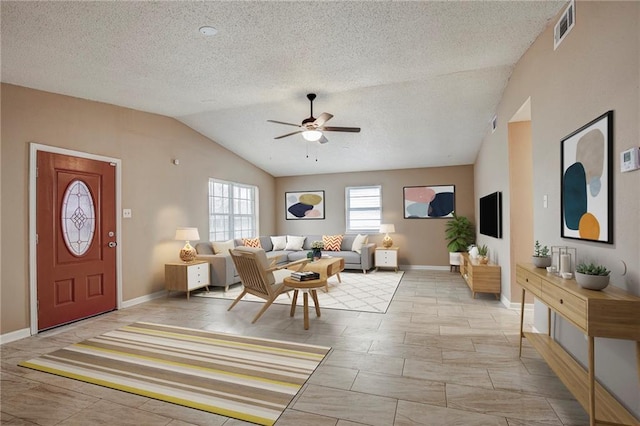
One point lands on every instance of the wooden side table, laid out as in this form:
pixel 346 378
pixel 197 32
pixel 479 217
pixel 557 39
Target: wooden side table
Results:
pixel 386 258
pixel 308 286
pixel 183 276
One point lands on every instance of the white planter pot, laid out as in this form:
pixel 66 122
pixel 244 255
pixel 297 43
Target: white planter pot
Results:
pixel 592 282
pixel 454 258
pixel 541 261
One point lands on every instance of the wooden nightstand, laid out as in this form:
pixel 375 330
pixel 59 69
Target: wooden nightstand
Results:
pixel 183 276
pixel 387 258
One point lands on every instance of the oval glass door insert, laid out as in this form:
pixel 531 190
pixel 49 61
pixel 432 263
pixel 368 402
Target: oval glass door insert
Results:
pixel 78 218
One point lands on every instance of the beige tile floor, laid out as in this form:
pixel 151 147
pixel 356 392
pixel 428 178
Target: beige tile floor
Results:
pixel 437 357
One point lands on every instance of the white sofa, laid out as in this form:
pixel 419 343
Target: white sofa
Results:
pixel 223 272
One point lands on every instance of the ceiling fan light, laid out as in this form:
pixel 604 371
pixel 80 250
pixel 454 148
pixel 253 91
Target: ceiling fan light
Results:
pixel 312 135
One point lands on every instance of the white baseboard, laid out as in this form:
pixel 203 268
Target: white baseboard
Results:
pixel 26 332
pixel 423 268
pixel 138 300
pixel 14 335
pixel 515 305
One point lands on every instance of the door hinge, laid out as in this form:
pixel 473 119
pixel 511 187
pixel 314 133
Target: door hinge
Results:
pixel 37 171
pixel 112 164
pixel 36 238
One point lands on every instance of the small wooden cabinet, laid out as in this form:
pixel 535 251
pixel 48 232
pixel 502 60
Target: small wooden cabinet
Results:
pixel 387 258
pixel 610 313
pixel 480 278
pixel 183 276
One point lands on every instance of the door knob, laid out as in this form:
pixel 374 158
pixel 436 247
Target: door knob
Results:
pixel 112 244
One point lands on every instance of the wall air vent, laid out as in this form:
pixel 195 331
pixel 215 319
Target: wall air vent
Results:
pixel 564 24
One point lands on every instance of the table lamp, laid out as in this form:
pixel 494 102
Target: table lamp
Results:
pixel 188 253
pixel 385 228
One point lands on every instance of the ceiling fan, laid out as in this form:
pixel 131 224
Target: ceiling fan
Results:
pixel 312 128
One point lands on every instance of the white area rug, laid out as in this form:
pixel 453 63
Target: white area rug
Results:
pixel 370 292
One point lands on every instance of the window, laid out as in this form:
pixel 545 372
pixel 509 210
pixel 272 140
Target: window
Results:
pixel 364 208
pixel 233 210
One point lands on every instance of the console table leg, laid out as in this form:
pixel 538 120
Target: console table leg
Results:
pixel 592 388
pixel 521 323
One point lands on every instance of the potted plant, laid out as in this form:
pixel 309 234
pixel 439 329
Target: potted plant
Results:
pixel 541 257
pixel 591 276
pixel 316 248
pixel 483 252
pixel 459 233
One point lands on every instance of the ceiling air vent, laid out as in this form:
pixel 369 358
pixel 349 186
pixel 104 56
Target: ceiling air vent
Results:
pixel 564 24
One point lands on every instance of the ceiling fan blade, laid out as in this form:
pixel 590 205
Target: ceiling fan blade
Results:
pixel 324 117
pixel 323 139
pixel 341 129
pixel 289 134
pixel 282 122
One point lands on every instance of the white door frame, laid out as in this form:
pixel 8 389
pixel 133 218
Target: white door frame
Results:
pixel 33 261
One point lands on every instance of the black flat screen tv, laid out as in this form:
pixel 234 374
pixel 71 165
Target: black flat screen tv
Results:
pixel 491 215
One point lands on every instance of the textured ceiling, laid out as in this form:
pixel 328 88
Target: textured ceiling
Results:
pixel 422 79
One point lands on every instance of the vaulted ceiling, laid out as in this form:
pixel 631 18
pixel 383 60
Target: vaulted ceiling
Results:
pixel 422 79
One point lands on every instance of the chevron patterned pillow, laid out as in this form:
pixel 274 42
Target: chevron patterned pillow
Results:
pixel 332 242
pixel 252 242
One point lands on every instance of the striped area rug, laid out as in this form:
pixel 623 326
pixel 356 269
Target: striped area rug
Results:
pixel 246 378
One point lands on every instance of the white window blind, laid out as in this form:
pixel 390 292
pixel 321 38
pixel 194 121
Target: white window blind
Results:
pixel 364 208
pixel 233 210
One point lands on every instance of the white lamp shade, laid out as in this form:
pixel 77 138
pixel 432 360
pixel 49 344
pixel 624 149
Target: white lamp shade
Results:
pixel 312 135
pixel 385 228
pixel 187 234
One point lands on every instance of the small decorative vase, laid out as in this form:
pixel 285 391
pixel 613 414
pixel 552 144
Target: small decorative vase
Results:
pixel 317 254
pixel 592 282
pixel 483 260
pixel 541 261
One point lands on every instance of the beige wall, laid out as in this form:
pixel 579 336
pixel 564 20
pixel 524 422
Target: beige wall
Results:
pixel 521 191
pixel 421 241
pixel 161 195
pixel 595 69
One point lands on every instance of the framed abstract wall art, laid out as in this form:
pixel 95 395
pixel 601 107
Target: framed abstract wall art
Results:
pixel 429 202
pixel 304 205
pixel 586 191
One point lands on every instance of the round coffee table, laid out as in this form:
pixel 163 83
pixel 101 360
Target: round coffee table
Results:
pixel 308 286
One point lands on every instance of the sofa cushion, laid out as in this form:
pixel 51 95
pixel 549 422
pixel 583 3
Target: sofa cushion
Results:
pixel 251 242
pixel 350 257
pixel 204 248
pixel 310 239
pixel 222 247
pixel 294 243
pixel 279 242
pixel 332 242
pixel 358 242
pixel 266 244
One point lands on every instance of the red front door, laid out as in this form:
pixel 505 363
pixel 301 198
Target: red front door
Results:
pixel 76 225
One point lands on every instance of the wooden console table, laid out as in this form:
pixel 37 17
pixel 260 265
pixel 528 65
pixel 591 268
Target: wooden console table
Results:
pixel 480 278
pixel 611 313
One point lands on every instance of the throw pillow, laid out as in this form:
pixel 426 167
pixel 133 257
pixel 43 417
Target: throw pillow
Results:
pixel 222 247
pixel 279 243
pixel 294 243
pixel 251 242
pixel 332 242
pixel 359 242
